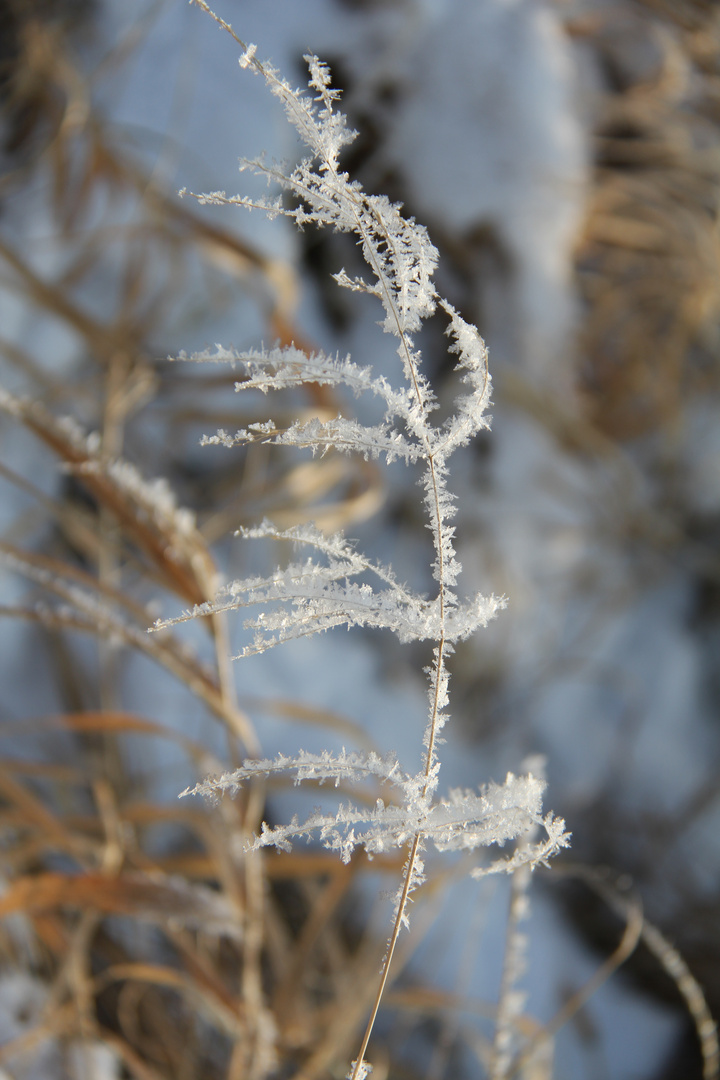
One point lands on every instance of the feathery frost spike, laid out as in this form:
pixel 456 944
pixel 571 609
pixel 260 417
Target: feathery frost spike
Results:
pixel 463 821
pixel 470 416
pixel 284 368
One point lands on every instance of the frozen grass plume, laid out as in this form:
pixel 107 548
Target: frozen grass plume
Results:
pixel 335 584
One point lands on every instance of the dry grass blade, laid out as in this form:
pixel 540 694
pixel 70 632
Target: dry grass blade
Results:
pixel 92 606
pixel 650 257
pixel 35 815
pixel 147 514
pixel 637 928
pixel 221 1010
pixel 136 895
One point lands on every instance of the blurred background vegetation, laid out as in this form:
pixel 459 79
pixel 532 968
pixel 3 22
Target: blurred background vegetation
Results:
pixel 136 938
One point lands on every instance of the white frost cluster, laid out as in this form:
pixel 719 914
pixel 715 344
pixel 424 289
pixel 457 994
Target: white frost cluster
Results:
pixel 463 821
pixel 307 597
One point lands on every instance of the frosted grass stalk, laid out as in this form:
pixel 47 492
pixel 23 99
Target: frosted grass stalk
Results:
pixel 337 585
